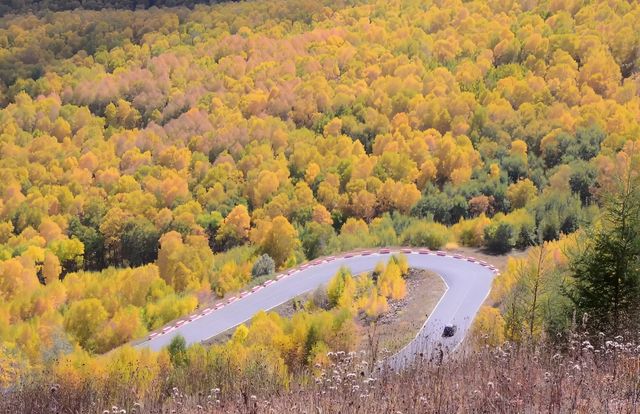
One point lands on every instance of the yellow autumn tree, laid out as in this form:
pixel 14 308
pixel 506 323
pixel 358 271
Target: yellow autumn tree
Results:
pixel 488 326
pixel 520 193
pixel 390 282
pixel 235 227
pixel 374 305
pixel 84 320
pixel 279 239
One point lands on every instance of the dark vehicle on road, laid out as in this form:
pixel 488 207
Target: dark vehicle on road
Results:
pixel 449 331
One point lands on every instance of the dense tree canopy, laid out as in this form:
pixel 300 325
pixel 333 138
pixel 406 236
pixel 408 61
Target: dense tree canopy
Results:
pixel 149 157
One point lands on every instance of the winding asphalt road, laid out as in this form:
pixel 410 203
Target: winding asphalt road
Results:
pixel 468 283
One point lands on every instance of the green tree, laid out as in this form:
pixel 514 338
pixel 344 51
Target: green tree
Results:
pixel 263 266
pixel 425 234
pixel 93 242
pixel 498 237
pixel 606 271
pixel 445 207
pixel 313 337
pixel 178 351
pixel 316 239
pixel 210 222
pixel 139 242
pixel 583 179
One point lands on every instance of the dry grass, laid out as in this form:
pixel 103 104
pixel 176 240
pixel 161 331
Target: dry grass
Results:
pixel 499 380
pixel 602 376
pixel 584 378
pixel 406 316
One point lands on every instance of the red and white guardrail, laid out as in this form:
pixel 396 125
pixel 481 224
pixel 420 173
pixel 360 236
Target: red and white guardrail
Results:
pixel 316 262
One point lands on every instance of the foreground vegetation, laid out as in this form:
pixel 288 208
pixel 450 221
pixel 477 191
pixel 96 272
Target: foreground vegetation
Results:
pixel 272 350
pixel 161 152
pixel 153 160
pixel 581 377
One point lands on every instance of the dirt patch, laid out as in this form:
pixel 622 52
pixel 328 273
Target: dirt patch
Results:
pixel 405 317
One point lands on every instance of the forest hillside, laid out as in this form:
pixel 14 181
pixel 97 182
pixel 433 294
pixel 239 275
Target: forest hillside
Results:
pixel 154 160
